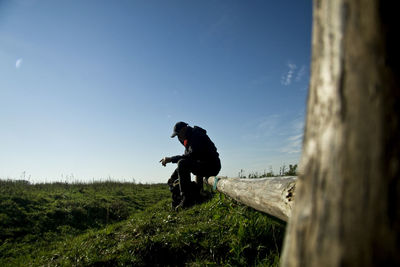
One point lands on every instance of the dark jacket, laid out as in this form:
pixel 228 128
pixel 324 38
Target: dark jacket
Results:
pixel 198 146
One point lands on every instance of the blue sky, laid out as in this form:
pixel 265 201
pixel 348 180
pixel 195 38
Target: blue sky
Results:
pixel 92 89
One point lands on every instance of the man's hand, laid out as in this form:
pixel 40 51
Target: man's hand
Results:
pixel 165 160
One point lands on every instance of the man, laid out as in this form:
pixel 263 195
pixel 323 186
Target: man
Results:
pixel 200 158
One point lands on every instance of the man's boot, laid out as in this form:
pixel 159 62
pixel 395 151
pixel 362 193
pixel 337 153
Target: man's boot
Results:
pixel 184 203
pixel 199 182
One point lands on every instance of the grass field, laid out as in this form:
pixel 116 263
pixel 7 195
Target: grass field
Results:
pixel 126 224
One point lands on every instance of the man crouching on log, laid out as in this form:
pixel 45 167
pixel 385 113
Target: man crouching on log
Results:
pixel 200 158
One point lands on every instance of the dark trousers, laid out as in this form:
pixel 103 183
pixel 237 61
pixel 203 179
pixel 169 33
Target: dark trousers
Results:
pixel 199 168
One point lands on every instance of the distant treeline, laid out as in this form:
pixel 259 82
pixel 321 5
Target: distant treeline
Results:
pixel 284 170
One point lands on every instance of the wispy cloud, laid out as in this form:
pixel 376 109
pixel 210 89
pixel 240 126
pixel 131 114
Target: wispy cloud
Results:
pixel 268 122
pixel 18 63
pixel 261 127
pixel 293 143
pixel 288 76
pixel 300 73
pixel 293 74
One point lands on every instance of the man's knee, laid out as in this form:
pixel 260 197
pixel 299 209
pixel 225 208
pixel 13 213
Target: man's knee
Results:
pixel 183 164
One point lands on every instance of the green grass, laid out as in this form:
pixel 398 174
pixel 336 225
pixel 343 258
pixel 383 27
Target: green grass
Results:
pixel 119 224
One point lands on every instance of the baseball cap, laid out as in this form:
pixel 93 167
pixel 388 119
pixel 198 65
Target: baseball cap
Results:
pixel 178 127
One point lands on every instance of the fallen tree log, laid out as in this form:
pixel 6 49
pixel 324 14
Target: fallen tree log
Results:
pixel 273 195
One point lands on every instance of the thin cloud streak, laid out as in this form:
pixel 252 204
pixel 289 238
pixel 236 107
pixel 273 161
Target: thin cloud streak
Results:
pixel 294 73
pixel 262 127
pixel 295 140
pixel 293 145
pixel 300 73
pixel 18 63
pixel 287 78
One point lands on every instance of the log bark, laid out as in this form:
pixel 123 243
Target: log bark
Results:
pixel 272 195
pixel 347 208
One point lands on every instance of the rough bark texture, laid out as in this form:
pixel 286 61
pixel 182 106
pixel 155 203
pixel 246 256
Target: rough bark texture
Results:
pixel 347 208
pixel 270 195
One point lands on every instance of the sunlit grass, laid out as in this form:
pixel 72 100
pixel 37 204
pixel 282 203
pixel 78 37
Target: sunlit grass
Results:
pixel 129 224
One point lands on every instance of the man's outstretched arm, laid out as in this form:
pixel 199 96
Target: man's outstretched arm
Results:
pixel 165 160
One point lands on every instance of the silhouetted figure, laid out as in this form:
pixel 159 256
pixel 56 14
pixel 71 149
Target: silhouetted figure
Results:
pixel 200 158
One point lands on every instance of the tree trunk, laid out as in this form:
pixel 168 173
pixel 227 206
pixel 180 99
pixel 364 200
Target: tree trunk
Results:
pixel 270 195
pixel 347 208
